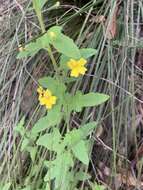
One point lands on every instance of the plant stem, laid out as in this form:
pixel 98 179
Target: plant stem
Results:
pixel 42 25
pixel 53 60
pixel 40 18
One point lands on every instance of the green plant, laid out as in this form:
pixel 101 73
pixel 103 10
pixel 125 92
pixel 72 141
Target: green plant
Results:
pixel 65 147
pixel 95 186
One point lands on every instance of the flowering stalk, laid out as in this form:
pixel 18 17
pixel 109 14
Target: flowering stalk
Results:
pixel 42 25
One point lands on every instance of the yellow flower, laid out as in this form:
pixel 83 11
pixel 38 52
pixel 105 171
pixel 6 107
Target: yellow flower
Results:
pixel 77 67
pixel 46 98
pixel 40 90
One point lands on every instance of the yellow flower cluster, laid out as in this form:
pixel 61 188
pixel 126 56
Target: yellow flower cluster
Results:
pixel 77 67
pixel 46 98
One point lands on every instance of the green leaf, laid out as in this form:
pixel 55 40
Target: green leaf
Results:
pixel 87 52
pixel 56 29
pixel 94 99
pixel 42 3
pixel 86 129
pixel 66 46
pixel 6 186
pixel 76 141
pixel 57 88
pixel 72 102
pixel 52 170
pixel 43 41
pixel 77 103
pixel 33 47
pixel 63 62
pixel 32 151
pixel 82 176
pixel 51 141
pixel 73 137
pixel 91 99
pixel 60 165
pixel 49 120
pixel 63 43
pixel 71 79
pixel 38 4
pixel 69 181
pixel 24 144
pixel 81 152
pixel 20 127
pixel 29 50
pixel 42 124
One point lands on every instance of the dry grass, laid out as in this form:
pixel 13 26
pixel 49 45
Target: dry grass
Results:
pixel 116 31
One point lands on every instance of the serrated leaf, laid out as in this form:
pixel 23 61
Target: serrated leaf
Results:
pixel 76 135
pixel 86 129
pixel 53 118
pixel 87 52
pixel 51 141
pixel 66 46
pixel 63 43
pixel 80 152
pixel 60 165
pixel 87 100
pixel 72 138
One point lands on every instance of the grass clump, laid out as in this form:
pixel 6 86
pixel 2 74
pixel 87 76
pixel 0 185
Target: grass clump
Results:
pixel 68 142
